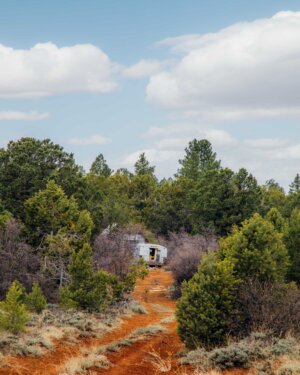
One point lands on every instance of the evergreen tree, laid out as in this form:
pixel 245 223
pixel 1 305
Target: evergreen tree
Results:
pixel 100 167
pixel 168 208
pixel 213 202
pixel 28 164
pixel 142 166
pixel 256 250
pixel 247 194
pixel 275 217
pixel 13 312
pixel 89 289
pixel 50 210
pixel 36 300
pixel 199 156
pixel 295 185
pixel 292 241
pixel 205 310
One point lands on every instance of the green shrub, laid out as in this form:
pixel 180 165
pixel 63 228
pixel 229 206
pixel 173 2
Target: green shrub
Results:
pixel 205 309
pixel 235 356
pixel 89 289
pixel 13 312
pixel 36 300
pixel 137 271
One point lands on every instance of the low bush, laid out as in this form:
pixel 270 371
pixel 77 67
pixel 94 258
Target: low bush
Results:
pixel 258 348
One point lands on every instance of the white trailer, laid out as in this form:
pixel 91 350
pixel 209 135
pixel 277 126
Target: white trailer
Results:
pixel 153 254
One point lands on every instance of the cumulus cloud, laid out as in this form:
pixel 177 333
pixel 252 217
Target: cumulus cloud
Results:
pixel 96 139
pixel 145 68
pixel 22 116
pixel 46 69
pixel 247 70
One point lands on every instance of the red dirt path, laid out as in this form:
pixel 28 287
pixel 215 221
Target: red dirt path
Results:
pixel 131 360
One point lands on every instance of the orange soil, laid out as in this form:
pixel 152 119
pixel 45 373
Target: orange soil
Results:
pixel 132 360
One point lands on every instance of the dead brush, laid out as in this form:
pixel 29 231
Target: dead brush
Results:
pixel 158 363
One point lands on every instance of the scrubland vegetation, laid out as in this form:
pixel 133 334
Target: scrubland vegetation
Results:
pixel 234 252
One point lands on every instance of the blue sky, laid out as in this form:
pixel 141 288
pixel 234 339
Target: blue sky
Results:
pixel 122 90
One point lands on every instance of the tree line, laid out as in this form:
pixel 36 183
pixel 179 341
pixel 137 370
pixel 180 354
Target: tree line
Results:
pixel 53 213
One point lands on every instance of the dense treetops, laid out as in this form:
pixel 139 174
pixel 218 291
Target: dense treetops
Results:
pixel 41 185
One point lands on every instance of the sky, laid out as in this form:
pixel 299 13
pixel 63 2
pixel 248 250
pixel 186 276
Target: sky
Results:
pixel 121 77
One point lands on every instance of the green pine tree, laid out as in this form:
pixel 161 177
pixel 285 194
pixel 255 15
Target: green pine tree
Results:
pixel 199 156
pixel 142 166
pixel 89 289
pixel 35 300
pixel 292 241
pixel 100 167
pixel 295 185
pixel 13 311
pixel 256 250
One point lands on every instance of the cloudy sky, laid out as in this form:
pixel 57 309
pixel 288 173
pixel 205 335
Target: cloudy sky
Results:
pixel 126 76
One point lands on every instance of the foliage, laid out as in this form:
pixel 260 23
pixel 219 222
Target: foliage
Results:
pixel 28 164
pixel 199 157
pixel 36 300
pixel 89 289
pixel 206 305
pixel 49 211
pixel 292 241
pixel 275 217
pixel 137 271
pixel 256 250
pixel 13 312
pixel 167 208
pixel 142 166
pixel 100 167
pixel 295 185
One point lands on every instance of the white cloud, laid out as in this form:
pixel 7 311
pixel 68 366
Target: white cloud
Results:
pixel 247 70
pixel 264 157
pixel 46 69
pixel 22 116
pixel 267 143
pixel 145 68
pixel 96 139
pixel 181 134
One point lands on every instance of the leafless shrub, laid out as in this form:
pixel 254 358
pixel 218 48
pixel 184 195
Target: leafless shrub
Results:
pixel 273 308
pixel 185 253
pixel 114 249
pixel 17 259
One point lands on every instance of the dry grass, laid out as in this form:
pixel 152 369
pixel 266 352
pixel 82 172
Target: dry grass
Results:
pixel 161 308
pixel 55 324
pixel 83 363
pixel 168 319
pixel 158 363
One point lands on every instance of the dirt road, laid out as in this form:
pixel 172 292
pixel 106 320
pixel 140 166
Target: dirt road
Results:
pixel 142 357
